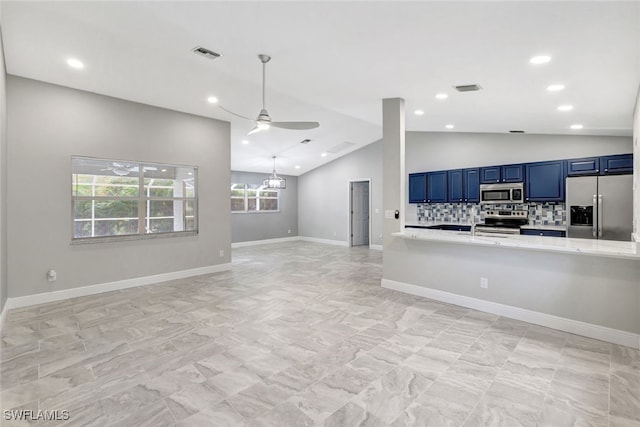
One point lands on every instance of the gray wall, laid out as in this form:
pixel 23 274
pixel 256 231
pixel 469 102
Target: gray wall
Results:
pixel 3 179
pixel 46 125
pixel 429 151
pixel 323 195
pixel 247 227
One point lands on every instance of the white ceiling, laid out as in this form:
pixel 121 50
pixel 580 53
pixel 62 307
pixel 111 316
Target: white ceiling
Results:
pixel 334 62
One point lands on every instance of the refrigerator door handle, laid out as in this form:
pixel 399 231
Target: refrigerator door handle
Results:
pixel 594 227
pixel 600 215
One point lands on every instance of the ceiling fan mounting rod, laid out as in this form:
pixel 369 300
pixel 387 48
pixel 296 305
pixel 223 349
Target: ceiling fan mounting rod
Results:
pixel 264 59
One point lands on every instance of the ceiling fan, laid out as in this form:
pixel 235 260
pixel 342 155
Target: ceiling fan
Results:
pixel 263 121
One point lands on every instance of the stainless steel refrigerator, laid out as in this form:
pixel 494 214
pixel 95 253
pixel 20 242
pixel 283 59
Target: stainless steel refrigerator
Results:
pixel 600 207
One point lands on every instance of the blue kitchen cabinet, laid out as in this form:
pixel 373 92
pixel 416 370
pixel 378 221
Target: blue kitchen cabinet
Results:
pixel 455 186
pixel 584 166
pixel 490 175
pixel 471 183
pixel 618 164
pixel 545 181
pixel 512 173
pixel 506 173
pixel 538 232
pixel 437 187
pixel 417 188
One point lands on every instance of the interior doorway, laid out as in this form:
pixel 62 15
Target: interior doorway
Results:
pixel 359 207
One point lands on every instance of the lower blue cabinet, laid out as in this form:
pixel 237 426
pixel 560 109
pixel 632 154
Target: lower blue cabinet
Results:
pixel 538 232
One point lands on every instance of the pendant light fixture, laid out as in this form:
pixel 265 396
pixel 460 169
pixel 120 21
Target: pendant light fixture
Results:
pixel 273 180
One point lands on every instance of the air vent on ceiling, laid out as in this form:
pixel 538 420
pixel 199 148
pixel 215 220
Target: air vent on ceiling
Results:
pixel 206 52
pixel 516 131
pixel 467 88
pixel 340 147
pixel 305 141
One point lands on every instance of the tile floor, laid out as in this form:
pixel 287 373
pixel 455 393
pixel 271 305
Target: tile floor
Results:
pixel 302 334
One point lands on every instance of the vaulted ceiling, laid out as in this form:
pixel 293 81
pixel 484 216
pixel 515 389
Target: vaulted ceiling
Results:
pixel 334 62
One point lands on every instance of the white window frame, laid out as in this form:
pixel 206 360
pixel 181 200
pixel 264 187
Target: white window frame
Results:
pixel 143 200
pixel 246 198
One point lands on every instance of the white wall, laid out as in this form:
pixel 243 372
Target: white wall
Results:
pixel 323 195
pixel 3 179
pixel 47 124
pixel 248 227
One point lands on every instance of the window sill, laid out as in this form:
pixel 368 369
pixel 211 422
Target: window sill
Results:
pixel 126 238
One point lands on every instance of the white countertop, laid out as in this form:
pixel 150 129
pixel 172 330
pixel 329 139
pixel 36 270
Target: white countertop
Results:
pixel 527 227
pixel 603 248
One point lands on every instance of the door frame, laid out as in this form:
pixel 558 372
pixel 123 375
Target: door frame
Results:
pixel 349 206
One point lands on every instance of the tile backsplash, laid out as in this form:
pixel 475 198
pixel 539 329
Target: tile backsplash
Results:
pixel 539 213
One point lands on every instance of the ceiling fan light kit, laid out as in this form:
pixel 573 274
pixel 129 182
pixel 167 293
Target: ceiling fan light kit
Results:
pixel 263 121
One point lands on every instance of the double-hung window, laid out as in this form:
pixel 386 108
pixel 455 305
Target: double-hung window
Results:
pixel 254 198
pixel 114 199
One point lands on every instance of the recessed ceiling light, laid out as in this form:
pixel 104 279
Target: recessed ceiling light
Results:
pixel 555 87
pixel 576 127
pixel 449 126
pixel 212 100
pixel 565 108
pixel 75 63
pixel 164 170
pixel 442 96
pixel 190 173
pixel 245 142
pixel 323 154
pixel 540 59
pixel 419 112
pixel 297 166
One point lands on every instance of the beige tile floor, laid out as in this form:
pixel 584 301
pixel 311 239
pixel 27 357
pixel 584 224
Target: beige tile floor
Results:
pixel 301 334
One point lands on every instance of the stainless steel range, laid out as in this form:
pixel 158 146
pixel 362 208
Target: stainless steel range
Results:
pixel 503 222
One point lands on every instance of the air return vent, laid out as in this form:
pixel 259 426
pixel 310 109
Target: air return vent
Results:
pixel 516 131
pixel 206 52
pixel 467 88
pixel 305 141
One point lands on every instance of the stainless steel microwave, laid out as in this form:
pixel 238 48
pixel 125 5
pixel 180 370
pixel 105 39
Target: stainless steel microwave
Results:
pixel 492 194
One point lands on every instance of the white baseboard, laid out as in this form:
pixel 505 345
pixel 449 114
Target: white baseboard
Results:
pixel 42 298
pixel 590 330
pixel 325 241
pixel 265 241
pixel 375 247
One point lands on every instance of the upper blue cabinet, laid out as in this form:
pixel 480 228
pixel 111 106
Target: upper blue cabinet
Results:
pixel 455 186
pixel 417 188
pixel 506 173
pixel 437 187
pixel 620 163
pixel 545 181
pixel 471 183
pixel 584 166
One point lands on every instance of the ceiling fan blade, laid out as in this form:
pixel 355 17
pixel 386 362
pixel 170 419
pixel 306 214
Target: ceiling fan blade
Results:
pixel 295 125
pixel 254 130
pixel 235 114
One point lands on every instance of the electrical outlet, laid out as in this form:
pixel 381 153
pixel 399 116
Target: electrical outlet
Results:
pixel 52 276
pixel 221 252
pixel 484 282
